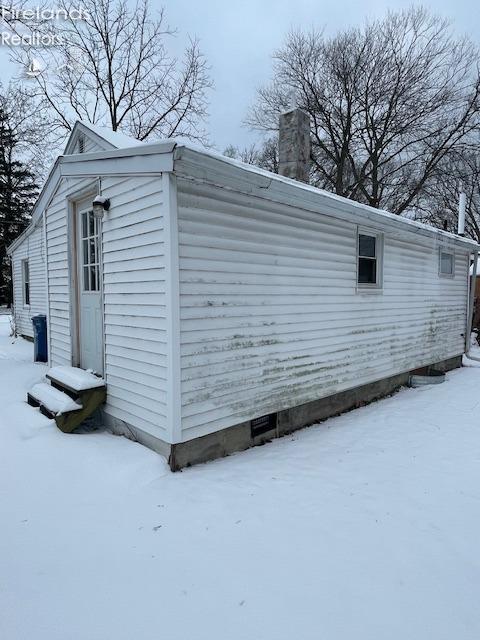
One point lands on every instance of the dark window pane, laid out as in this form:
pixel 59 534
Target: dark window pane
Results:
pixel 85 251
pixel 366 246
pixel 93 279
pixel 92 251
pixel 91 225
pixel 84 225
pixel 27 293
pixel 367 271
pixel 86 284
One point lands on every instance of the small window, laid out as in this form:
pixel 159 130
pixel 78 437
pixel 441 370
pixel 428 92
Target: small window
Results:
pixel 26 283
pixel 369 260
pixel 447 263
pixel 81 144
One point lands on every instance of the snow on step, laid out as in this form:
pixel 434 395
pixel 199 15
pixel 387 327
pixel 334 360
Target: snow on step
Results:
pixel 54 400
pixel 75 378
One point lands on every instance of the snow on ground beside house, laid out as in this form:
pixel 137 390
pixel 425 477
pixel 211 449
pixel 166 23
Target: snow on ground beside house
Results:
pixel 364 527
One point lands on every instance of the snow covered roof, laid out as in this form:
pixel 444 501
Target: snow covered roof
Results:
pixel 117 145
pixel 104 137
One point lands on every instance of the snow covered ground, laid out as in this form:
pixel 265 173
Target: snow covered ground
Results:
pixel 364 527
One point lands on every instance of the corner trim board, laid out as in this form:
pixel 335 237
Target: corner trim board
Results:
pixel 172 286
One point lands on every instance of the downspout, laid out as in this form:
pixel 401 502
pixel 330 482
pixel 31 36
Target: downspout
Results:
pixel 471 300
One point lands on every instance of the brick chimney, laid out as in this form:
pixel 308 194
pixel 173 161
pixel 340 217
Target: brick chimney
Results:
pixel 294 145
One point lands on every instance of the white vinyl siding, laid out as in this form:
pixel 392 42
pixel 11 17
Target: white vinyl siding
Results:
pixel 134 296
pixel 32 250
pixel 134 303
pixel 57 231
pixel 84 142
pixel 90 146
pixel 271 316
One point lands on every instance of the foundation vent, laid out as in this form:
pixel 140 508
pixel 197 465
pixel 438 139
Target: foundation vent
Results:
pixel 263 424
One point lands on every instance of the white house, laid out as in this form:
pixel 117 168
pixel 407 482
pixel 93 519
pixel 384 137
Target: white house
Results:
pixel 29 267
pixel 225 305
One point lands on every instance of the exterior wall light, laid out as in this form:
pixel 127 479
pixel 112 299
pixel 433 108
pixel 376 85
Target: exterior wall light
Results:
pixel 100 205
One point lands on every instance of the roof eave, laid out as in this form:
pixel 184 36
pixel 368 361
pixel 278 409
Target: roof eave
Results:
pixel 262 180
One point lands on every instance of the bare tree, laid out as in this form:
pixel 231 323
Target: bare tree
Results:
pixel 115 69
pixel 388 102
pixel 264 155
pixel 29 126
pixel 439 206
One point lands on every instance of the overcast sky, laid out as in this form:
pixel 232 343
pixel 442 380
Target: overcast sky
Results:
pixel 238 38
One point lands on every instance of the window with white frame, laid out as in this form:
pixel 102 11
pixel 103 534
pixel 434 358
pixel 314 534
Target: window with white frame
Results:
pixel 26 282
pixel 369 260
pixel 446 263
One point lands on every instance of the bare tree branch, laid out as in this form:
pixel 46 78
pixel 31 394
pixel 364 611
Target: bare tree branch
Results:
pixel 388 103
pixel 115 69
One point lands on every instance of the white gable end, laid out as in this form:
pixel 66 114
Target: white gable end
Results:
pixel 89 138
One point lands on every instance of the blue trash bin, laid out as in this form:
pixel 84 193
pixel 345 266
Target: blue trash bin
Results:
pixel 40 338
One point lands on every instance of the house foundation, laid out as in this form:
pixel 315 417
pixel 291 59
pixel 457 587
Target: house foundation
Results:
pixel 242 436
pixel 257 432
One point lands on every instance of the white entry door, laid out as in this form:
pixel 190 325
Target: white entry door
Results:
pixel 90 316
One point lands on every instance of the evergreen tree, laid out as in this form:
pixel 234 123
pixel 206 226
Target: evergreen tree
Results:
pixel 18 190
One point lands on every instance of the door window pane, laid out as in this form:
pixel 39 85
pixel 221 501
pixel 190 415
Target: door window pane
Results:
pixel 90 252
pixel 86 282
pixel 91 224
pixel 93 278
pixel 85 251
